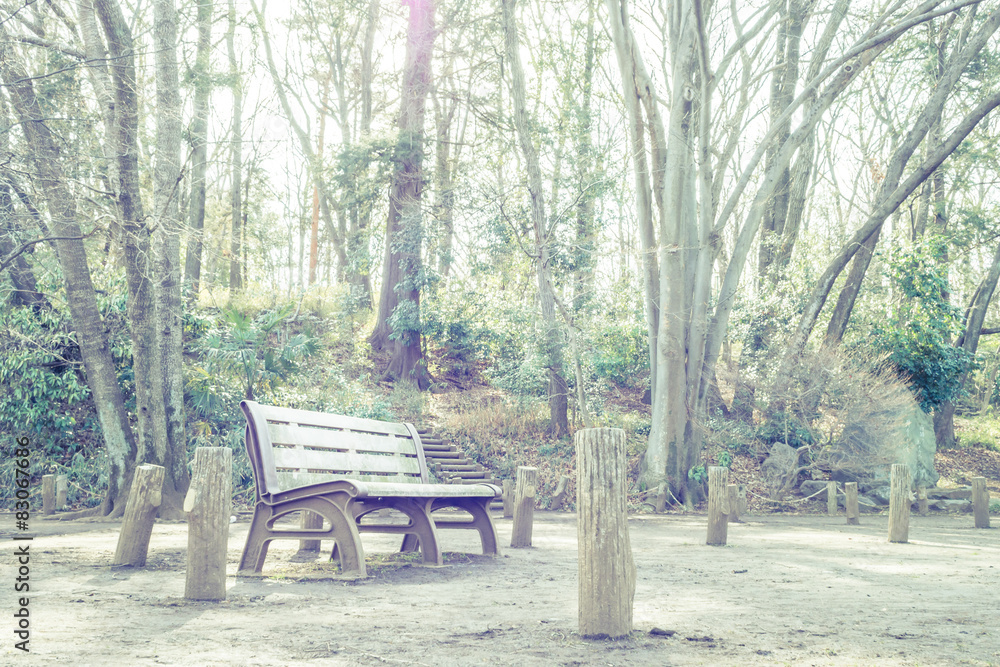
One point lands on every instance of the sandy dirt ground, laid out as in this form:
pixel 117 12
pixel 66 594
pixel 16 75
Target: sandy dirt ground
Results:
pixel 788 590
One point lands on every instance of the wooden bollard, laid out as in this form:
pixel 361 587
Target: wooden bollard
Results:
pixel 208 504
pixel 980 502
pixel 831 498
pixel 524 506
pixel 741 497
pixel 851 503
pixel 733 492
pixel 48 494
pixel 718 505
pixel 140 513
pixel 562 492
pixel 606 569
pixel 508 498
pixel 310 520
pixel 922 508
pixel 62 491
pixel 899 503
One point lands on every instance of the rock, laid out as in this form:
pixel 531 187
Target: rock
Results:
pixel 946 505
pixel 879 494
pixel 866 504
pixel 811 486
pixel 949 494
pixel 919 446
pixel 779 470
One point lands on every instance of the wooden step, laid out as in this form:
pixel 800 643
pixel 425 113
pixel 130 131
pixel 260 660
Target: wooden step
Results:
pixel 478 474
pixel 467 467
pixel 431 441
pixel 444 455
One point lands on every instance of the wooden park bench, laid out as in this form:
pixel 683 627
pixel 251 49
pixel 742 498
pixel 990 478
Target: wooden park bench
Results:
pixel 344 469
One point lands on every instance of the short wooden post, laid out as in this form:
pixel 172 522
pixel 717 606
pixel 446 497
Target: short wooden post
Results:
pixel 508 498
pixel 524 506
pixel 718 505
pixel 922 508
pixel 831 498
pixel 733 491
pixel 899 503
pixel 741 508
pixel 310 520
pixel 980 502
pixel 562 493
pixel 62 491
pixel 48 494
pixel 606 568
pixel 140 513
pixel 208 504
pixel 851 503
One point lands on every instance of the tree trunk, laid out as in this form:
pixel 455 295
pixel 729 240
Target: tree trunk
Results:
pixel 119 441
pixel 167 252
pixel 399 305
pixel 146 354
pixel 849 293
pixel 558 390
pixel 199 148
pixel 236 143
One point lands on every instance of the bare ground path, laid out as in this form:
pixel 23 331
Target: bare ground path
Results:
pixel 797 590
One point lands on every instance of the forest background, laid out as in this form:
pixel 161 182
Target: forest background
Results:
pixel 511 219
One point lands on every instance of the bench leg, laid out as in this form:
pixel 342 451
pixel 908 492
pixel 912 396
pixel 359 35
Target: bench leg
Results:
pixel 255 550
pixel 424 532
pixel 479 508
pixel 347 541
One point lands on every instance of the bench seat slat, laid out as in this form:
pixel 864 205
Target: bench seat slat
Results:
pixel 332 421
pixel 286 434
pixel 344 464
pixel 289 480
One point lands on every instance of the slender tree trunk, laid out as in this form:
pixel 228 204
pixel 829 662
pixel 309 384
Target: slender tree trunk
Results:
pixel 199 149
pixel 236 143
pixel 944 416
pixel 167 252
pixel 558 388
pixel 119 441
pixel 849 293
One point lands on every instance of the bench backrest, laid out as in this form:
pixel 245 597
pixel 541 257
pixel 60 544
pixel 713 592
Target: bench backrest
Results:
pixel 289 448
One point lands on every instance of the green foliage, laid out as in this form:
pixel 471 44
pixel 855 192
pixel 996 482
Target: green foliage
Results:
pixel 252 352
pixel 917 334
pixel 786 428
pixel 621 351
pixel 698 474
pixel 454 324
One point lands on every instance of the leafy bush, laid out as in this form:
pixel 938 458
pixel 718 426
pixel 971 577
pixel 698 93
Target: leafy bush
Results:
pixel 917 334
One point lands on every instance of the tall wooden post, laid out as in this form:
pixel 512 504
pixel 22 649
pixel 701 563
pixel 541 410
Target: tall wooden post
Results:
pixel 508 498
pixel 851 503
pixel 208 504
pixel 140 513
pixel 718 505
pixel 831 498
pixel 310 520
pixel 524 506
pixel 62 491
pixel 980 502
pixel 899 503
pixel 606 568
pixel 561 494
pixel 48 494
pixel 733 494
pixel 922 508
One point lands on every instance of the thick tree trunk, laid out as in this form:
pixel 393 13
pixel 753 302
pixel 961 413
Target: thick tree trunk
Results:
pixel 558 389
pixel 167 253
pixel 146 353
pixel 402 273
pixel 199 149
pixel 102 379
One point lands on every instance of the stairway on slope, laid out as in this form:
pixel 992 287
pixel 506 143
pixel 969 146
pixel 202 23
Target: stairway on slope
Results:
pixel 451 465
